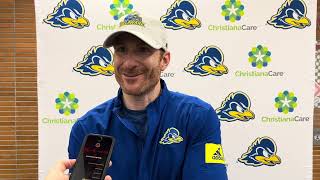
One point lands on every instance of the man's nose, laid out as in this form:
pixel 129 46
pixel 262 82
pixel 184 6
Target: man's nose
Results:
pixel 130 60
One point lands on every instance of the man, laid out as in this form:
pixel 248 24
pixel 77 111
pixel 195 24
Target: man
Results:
pixel 160 135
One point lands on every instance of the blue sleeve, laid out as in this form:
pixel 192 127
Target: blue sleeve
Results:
pixel 94 121
pixel 205 129
pixel 77 135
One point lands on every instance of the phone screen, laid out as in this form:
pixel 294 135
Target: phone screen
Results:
pixel 91 162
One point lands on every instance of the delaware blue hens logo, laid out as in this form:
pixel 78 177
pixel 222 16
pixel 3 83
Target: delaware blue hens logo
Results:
pixel 171 136
pixel 181 14
pixel 97 61
pixel 208 62
pixel 292 14
pixel 132 19
pixel 68 13
pixel 263 151
pixel 235 107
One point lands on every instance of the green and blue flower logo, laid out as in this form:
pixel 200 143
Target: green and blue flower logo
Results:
pixel 259 56
pixel 120 8
pixel 67 103
pixel 286 102
pixel 232 10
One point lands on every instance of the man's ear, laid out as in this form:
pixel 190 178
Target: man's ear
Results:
pixel 165 60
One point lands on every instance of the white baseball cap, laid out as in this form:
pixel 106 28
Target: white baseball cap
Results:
pixel 149 30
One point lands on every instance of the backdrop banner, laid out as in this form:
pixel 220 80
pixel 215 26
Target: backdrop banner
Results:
pixel 253 61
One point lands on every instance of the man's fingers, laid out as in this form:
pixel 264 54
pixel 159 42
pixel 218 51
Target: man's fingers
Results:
pixel 108 178
pixel 65 164
pixel 69 163
pixel 61 165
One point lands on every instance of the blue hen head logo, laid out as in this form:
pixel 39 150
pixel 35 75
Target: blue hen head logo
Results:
pixel 97 61
pixel 292 14
pixel 68 13
pixel 171 136
pixel 181 14
pixel 263 151
pixel 235 107
pixel 132 19
pixel 208 62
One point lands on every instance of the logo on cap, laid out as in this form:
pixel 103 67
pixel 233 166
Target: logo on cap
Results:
pixel 132 19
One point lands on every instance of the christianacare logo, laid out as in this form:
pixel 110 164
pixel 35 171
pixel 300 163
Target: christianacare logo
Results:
pixel 259 56
pixel 67 103
pixel 232 10
pixel 286 102
pixel 120 8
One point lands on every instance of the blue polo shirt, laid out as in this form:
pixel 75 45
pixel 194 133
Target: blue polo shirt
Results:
pixel 182 141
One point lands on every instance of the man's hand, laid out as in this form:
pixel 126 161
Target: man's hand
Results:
pixel 58 171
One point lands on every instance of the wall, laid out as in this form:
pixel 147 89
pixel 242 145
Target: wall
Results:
pixel 18 93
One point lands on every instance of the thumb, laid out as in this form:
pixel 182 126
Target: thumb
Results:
pixel 108 178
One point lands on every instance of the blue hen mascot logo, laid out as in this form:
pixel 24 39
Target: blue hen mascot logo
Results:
pixel 208 62
pixel 292 14
pixel 181 14
pixel 68 13
pixel 171 136
pixel 235 107
pixel 263 151
pixel 98 61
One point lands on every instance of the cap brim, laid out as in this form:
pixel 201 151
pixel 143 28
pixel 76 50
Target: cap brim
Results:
pixel 110 40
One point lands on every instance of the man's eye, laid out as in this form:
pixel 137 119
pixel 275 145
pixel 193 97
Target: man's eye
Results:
pixel 144 49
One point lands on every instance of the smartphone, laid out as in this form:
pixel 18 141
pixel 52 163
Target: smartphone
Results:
pixel 94 157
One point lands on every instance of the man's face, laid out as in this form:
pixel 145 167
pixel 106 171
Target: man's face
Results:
pixel 137 65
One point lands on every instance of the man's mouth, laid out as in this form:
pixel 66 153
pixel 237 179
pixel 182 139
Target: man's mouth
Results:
pixel 131 75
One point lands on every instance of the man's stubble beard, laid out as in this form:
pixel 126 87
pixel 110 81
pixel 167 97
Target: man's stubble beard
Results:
pixel 153 78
